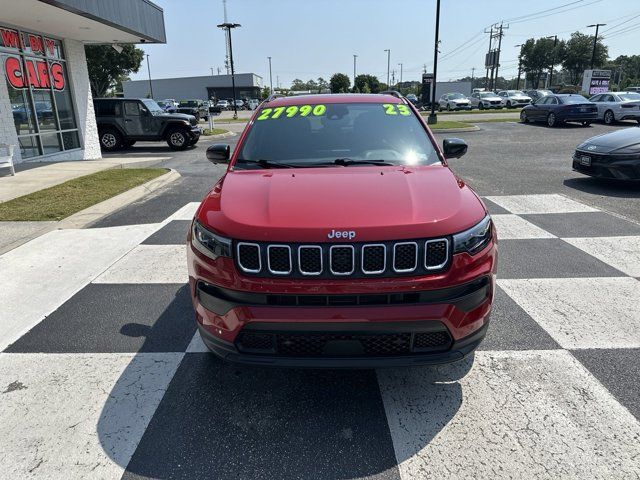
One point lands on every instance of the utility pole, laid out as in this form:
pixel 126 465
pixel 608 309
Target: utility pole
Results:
pixel 150 84
pixel 500 35
pixel 433 118
pixel 226 40
pixel 354 70
pixel 473 74
pixel 595 41
pixel 212 71
pixel 218 69
pixel 486 78
pixel 424 68
pixel 400 72
pixel 519 66
pixel 270 78
pixel 553 59
pixel 227 27
pixel 393 78
pixel 388 64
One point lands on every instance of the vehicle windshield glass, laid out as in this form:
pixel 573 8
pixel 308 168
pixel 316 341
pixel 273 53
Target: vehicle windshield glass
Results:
pixel 574 99
pixel 543 93
pixel 456 95
pixel 629 96
pixel 515 92
pixel 320 134
pixel 152 106
pixel 487 95
pixel 188 103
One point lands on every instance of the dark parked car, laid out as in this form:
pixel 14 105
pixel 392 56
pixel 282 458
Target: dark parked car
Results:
pixel 197 108
pixel 124 121
pixel 612 155
pixel 557 109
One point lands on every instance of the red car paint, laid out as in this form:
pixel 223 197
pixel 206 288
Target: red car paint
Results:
pixel 302 205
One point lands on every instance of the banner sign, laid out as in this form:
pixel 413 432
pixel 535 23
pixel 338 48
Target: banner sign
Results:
pixel 427 85
pixel 596 81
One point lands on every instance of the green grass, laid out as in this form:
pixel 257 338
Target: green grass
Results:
pixel 215 131
pixel 494 120
pixel 448 125
pixel 60 201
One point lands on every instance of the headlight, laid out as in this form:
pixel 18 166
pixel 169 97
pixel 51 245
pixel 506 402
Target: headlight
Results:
pixel 210 244
pixel 474 239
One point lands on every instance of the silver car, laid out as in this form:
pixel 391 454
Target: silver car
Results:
pixel 484 100
pixel 615 106
pixel 454 101
pixel 514 98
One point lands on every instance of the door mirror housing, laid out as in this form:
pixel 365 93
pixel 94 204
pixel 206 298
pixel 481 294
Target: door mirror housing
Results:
pixel 454 147
pixel 219 153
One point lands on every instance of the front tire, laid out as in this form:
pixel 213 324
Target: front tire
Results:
pixel 508 104
pixel 523 117
pixel 480 106
pixel 552 121
pixel 178 139
pixel 448 107
pixel 609 117
pixel 110 140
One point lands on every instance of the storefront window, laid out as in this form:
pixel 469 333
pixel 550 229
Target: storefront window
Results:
pixel 39 91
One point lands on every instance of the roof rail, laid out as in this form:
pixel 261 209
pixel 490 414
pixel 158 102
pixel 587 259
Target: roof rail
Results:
pixel 394 93
pixel 273 96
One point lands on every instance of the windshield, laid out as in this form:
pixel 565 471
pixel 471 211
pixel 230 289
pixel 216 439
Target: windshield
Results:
pixel 456 95
pixel 487 95
pixel 514 92
pixel 629 96
pixel 574 99
pixel 321 134
pixel 188 103
pixel 152 106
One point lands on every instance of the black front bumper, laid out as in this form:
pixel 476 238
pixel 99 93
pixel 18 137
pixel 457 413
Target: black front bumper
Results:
pixel 457 351
pixel 608 167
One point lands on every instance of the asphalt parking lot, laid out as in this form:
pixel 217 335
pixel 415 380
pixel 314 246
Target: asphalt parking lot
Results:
pixel 129 390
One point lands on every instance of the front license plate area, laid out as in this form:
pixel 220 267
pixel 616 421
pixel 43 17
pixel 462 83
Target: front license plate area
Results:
pixel 585 160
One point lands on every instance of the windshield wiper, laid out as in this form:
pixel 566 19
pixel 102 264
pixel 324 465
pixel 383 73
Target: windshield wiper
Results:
pixel 269 164
pixel 348 161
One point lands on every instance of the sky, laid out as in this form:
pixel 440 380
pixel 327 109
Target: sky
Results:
pixel 317 38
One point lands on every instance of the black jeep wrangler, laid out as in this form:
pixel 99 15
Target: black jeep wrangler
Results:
pixel 124 121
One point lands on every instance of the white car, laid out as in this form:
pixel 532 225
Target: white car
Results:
pixel 223 104
pixel 253 103
pixel 171 101
pixel 614 106
pixel 454 101
pixel 514 98
pixel 484 100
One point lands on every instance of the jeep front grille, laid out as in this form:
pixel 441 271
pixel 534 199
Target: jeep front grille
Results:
pixel 340 260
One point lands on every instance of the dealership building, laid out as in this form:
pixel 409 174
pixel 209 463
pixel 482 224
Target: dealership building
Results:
pixel 208 87
pixel 46 108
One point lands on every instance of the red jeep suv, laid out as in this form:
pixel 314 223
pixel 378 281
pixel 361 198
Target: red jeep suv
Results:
pixel 339 237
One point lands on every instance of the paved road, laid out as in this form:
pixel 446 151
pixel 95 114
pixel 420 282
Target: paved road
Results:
pixel 103 376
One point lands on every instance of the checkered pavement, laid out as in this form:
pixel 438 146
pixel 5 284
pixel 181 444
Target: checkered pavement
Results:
pixel 103 375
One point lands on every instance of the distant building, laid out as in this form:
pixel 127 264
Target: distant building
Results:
pixel 248 85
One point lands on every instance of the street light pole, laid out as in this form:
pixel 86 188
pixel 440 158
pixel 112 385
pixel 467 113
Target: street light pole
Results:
pixel 227 28
pixel 150 84
pixel 270 78
pixel 388 65
pixel 595 41
pixel 433 118
pixel 354 70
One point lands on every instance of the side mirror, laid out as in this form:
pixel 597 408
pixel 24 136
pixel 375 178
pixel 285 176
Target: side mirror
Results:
pixel 454 147
pixel 219 153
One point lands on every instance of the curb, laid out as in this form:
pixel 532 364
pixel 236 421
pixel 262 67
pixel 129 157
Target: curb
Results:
pixel 100 210
pixel 474 128
pixel 220 135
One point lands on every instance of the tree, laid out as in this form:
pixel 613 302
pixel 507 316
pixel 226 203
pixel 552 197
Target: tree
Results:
pixel 322 85
pixel 106 66
pixel 367 84
pixel 298 85
pixel 339 83
pixel 266 91
pixel 578 52
pixel 539 55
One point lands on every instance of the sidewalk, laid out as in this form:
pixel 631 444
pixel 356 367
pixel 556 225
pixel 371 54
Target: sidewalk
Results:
pixel 50 174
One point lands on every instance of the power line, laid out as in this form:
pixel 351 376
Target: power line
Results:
pixel 543 11
pixel 555 13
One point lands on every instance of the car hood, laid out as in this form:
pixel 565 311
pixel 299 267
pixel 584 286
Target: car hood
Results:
pixel 176 116
pixel 613 141
pixel 305 205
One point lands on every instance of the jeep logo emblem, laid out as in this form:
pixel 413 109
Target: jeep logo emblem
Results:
pixel 350 234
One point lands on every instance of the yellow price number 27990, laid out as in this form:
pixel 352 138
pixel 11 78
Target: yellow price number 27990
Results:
pixel 292 111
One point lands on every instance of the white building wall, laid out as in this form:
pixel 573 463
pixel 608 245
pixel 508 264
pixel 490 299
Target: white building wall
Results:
pixel 83 104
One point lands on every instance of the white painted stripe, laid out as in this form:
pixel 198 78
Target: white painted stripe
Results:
pixel 545 203
pixel 513 227
pixel 149 264
pixel 512 415
pixel 37 277
pixel 185 213
pixel 582 312
pixel 79 415
pixel 622 253
pixel 197 345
